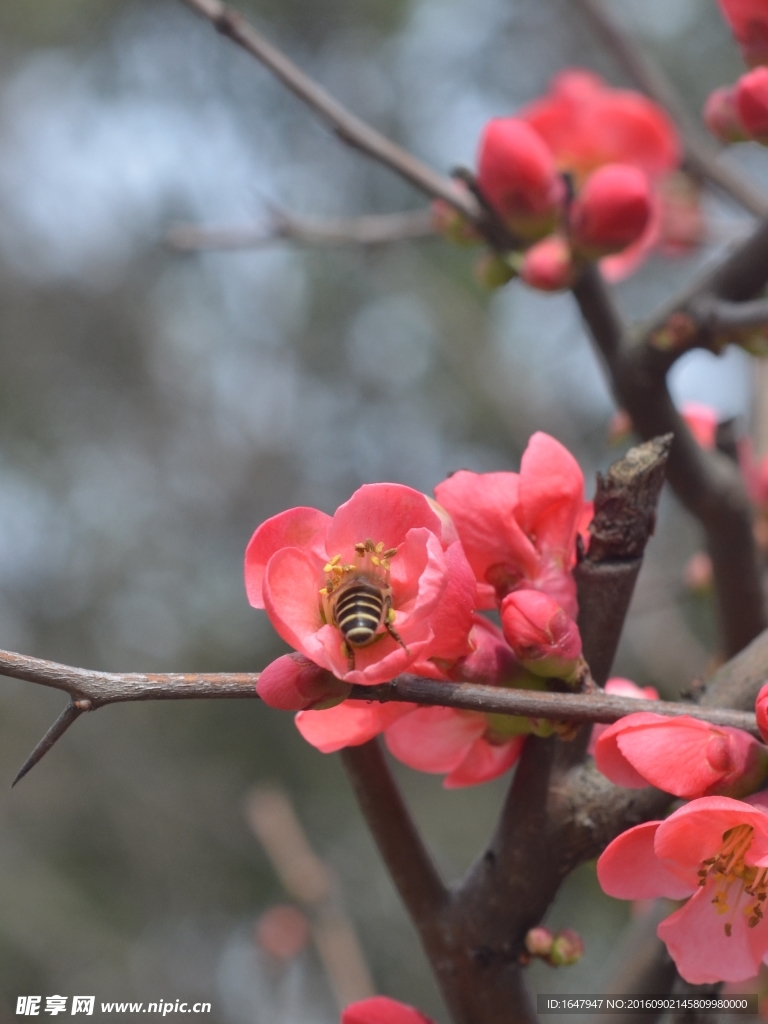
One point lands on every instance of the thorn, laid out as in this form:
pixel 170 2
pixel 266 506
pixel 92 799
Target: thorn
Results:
pixel 71 712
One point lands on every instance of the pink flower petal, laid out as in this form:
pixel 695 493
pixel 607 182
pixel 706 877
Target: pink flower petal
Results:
pixel 382 512
pixel 696 939
pixel 434 739
pixel 380 661
pixel 302 528
pixel 482 507
pixel 348 724
pixel 452 619
pixel 630 869
pixel 419 576
pixel 484 761
pixel 291 597
pixel 670 753
pixel 551 497
pixel 695 832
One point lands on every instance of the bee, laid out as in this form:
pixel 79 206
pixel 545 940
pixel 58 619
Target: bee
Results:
pixel 359 598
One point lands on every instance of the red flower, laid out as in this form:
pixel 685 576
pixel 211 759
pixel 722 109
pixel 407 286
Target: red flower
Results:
pixel 393 542
pixel 683 756
pixel 748 20
pixel 715 851
pixel 612 210
pixel 587 124
pixel 467 745
pixel 519 530
pixel 543 637
pixel 381 1010
pixel 548 265
pixel 517 175
pixel 752 103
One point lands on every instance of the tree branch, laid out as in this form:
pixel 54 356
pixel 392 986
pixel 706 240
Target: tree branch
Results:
pixel 701 154
pixel 707 483
pixel 720 315
pixel 349 128
pixel 371 229
pixel 402 849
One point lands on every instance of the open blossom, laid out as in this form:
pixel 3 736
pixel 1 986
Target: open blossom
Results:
pixel 683 756
pixel 715 851
pixel 395 544
pixel 381 1010
pixel 588 125
pixel 468 747
pixel 519 529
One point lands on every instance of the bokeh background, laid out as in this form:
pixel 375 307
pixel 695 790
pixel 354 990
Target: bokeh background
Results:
pixel 156 407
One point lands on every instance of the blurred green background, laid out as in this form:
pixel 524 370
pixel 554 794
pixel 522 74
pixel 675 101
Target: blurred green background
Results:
pixel 156 407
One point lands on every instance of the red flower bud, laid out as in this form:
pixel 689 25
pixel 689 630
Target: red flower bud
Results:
pixel 612 210
pixel 721 115
pixel 752 103
pixel 567 949
pixel 542 636
pixel 538 941
pixel 517 175
pixel 548 265
pixel 294 683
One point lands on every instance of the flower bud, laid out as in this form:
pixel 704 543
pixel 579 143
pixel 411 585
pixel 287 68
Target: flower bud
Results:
pixel 567 948
pixel 294 683
pixel 538 941
pixel 548 265
pixel 721 115
pixel 752 103
pixel 612 210
pixel 542 636
pixel 518 177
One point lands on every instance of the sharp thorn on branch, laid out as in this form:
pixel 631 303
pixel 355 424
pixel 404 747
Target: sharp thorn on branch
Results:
pixel 71 712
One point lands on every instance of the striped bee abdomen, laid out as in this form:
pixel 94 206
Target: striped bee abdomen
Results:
pixel 359 611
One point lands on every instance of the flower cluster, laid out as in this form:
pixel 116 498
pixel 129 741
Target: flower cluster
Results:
pixel 711 852
pixel 396 582
pixel 585 173
pixel 739 112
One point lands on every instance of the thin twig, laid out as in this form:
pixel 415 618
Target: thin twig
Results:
pixel 720 315
pixel 71 712
pixel 350 128
pixel 701 154
pixel 371 229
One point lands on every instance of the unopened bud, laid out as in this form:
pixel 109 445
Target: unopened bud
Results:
pixel 538 941
pixel 752 103
pixel 612 210
pixel 567 948
pixel 518 177
pixel 543 637
pixel 721 115
pixel 294 683
pixel 548 265
pixel 748 20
